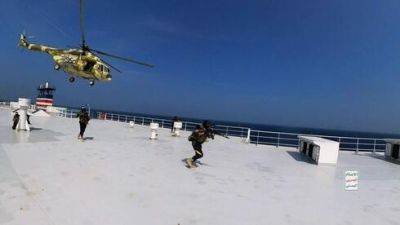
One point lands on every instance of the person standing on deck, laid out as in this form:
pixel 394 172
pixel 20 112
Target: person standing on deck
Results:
pixel 198 137
pixel 83 121
pixel 28 119
pixel 15 120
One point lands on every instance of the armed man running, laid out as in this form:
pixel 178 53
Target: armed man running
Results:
pixel 83 122
pixel 198 137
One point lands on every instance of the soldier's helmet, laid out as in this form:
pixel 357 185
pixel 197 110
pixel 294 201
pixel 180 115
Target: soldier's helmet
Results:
pixel 207 124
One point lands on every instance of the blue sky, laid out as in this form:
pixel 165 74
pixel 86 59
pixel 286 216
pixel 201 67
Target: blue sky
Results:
pixel 322 64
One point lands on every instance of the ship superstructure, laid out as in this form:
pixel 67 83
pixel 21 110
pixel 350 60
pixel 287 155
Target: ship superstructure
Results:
pixel 45 96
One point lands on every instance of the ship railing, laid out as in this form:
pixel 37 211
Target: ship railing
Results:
pixel 8 105
pixel 68 113
pixel 165 123
pixel 4 104
pixel 257 137
pixel 291 140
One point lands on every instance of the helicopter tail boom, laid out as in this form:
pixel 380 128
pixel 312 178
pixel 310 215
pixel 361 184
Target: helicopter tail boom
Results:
pixel 24 43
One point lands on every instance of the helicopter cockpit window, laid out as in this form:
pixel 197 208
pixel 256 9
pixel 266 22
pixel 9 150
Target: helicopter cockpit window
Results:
pixel 105 69
pixel 101 67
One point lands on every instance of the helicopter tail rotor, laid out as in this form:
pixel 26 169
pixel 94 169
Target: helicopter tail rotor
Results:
pixel 23 41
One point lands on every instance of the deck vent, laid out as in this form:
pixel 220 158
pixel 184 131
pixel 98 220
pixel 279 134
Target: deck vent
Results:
pixel 154 127
pixel 177 127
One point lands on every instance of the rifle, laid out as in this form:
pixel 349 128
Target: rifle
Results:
pixel 218 133
pixel 210 131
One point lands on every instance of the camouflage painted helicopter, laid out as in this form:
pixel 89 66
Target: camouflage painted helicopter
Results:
pixel 82 62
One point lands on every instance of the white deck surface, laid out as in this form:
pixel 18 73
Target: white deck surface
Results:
pixel 121 177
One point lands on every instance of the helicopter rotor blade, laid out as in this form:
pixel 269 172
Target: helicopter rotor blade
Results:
pixel 108 64
pixel 81 23
pixel 122 58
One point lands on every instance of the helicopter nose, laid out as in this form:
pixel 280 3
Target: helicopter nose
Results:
pixel 109 77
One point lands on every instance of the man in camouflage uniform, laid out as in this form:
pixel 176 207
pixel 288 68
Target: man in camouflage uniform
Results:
pixel 198 137
pixel 83 121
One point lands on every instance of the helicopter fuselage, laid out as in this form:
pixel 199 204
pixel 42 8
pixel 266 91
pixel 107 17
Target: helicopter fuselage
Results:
pixel 74 62
pixel 85 66
pixel 84 61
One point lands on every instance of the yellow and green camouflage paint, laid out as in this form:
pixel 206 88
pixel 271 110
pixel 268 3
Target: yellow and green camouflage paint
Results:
pixel 73 61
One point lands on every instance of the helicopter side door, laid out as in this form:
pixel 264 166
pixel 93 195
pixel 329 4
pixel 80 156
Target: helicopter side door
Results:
pixel 89 66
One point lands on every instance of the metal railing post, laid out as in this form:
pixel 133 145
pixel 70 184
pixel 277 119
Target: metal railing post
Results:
pixel 357 146
pixel 279 135
pixel 258 136
pixel 248 135
pixel 298 143
pixel 374 146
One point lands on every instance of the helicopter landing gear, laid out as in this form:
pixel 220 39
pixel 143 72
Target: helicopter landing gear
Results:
pixel 57 67
pixel 91 83
pixel 71 79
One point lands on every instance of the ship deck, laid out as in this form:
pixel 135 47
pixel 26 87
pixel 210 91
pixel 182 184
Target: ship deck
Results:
pixel 118 176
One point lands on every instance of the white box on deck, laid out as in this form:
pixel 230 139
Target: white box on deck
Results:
pixel 24 102
pixel 323 151
pixel 392 148
pixel 177 125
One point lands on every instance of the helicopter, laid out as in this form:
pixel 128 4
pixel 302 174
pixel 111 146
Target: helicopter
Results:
pixel 83 61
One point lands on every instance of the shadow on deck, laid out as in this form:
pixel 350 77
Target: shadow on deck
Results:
pixel 300 157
